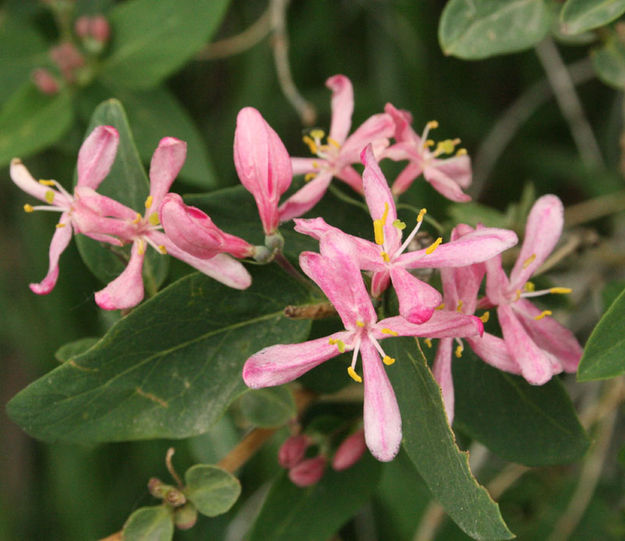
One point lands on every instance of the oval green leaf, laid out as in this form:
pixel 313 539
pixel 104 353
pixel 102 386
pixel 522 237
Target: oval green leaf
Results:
pixel 167 370
pixel 212 490
pixel 270 407
pixel 578 16
pixel 475 29
pixel 149 524
pixel 609 62
pixel 75 348
pixel 604 355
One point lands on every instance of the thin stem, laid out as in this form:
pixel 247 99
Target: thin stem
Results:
pixel 339 194
pixel 170 467
pixel 595 208
pixel 290 269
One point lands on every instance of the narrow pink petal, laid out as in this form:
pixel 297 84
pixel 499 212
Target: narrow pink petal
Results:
pixel 305 198
pixel 493 350
pixel 351 177
pixel 442 324
pixel 375 128
pixel 342 107
pixel 102 205
pixel 350 451
pixel 59 242
pixel 444 184
pixel 126 290
pixel 406 177
pixel 275 365
pixel 167 161
pixel 441 370
pixel 550 335
pixel 25 182
pixel 536 367
pixel 457 168
pixel 382 418
pixel 379 282
pixel 542 231
pixel 96 156
pixel 417 300
pixel 403 130
pixel 497 284
pixel 301 166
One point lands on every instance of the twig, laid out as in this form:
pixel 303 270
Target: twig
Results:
pixel 595 208
pixel 170 467
pixel 569 103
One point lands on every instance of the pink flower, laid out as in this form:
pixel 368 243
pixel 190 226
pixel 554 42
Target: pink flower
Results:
pixel 308 472
pixel 350 451
pixel 539 344
pixel 335 158
pixel 79 212
pixel 292 451
pixel 337 273
pixel 387 257
pixel 447 176
pixel 262 163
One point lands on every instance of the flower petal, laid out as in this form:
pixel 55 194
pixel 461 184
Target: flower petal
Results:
pixel 444 184
pixel 442 324
pixel 405 178
pixel 301 166
pixel 126 290
pixel 167 161
pixel 403 131
pixel 25 182
pixel 417 300
pixel 96 156
pixel 493 350
pixel 59 242
pixel 342 107
pixel 441 370
pixel 382 418
pixel 305 198
pixel 375 130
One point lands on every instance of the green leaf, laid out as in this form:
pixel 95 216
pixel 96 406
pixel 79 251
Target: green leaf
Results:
pixel 128 184
pixel 269 407
pixel 315 513
pixel 31 121
pixel 604 355
pixel 75 348
pixel 609 61
pixel 529 424
pixel 476 213
pixel 149 524
pixel 579 16
pixel 430 444
pixel 475 29
pixel 151 39
pixel 167 370
pixel 212 490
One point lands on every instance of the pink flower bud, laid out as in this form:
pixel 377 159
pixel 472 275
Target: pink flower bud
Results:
pixel 308 472
pixel 292 450
pixel 81 26
pixel 100 28
pixel 68 58
pixel 350 451
pixel 45 81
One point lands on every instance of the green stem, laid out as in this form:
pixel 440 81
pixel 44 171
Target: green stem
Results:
pixel 344 197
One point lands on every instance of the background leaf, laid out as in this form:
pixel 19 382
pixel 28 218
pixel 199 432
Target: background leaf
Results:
pixel 149 524
pixel 579 16
pixel 212 490
pixel 75 348
pixel 157 376
pixel 269 407
pixel 609 61
pixel 474 29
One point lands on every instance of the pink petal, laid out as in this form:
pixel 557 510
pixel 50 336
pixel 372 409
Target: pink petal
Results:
pixel 350 451
pixel 301 166
pixel 59 242
pixel 442 324
pixel 342 107
pixel 417 300
pixel 102 205
pixel 25 182
pixel 351 177
pixel 444 184
pixel 457 168
pixel 379 282
pixel 167 161
pixel 542 231
pixel 375 130
pixel 406 177
pixel 493 350
pixel 403 130
pixel 275 365
pixel 305 198
pixel 96 156
pixel 441 370
pixel 126 290
pixel 497 284
pixel 382 418
pixel 308 472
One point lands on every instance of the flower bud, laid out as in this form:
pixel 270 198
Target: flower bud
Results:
pixel 292 450
pixel 81 26
pixel 308 472
pixel 157 488
pixel 350 451
pixel 185 517
pixel 68 59
pixel 45 81
pixel 175 497
pixel 100 28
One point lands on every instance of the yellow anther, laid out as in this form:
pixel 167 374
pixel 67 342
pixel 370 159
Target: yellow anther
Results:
pixel 360 324
pixel 47 182
pixel 517 296
pixel 447 146
pixel 59 226
pixel 148 201
pixel 378 226
pixel 430 249
pixel 137 218
pixel 398 224
pixel 309 176
pixel 422 213
pixel 389 331
pixel 428 342
pixel 49 196
pixel 459 350
pixel 459 307
pixel 141 247
pixel 311 144
pixel 561 290
pixel 385 257
pixel 429 143
pixel 162 249
pixel 353 375
pixel 529 261
pixel 153 219
pixel 529 287
pixel 334 142
pixel 315 165
pixel 461 152
pixel 543 314
pixel 28 208
pixel 441 306
pixel 338 343
pixel 485 317
pixel 317 133
pixel 388 361
pixel 432 124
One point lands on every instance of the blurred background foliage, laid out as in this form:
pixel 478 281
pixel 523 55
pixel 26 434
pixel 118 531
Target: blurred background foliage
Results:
pixel 391 52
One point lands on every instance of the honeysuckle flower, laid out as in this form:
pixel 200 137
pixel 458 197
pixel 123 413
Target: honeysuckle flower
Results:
pixel 387 256
pixel 335 270
pixel 262 163
pixel 448 176
pixel 539 344
pixel 126 290
pixel 336 156
pixel 81 212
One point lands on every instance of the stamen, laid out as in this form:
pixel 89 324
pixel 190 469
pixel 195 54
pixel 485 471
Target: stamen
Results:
pixel 360 324
pixel 430 249
pixel 162 249
pixel 338 343
pixel 543 314
pixel 422 213
pixel 441 306
pixel 432 125
pixel 378 226
pixel 29 208
pixel 459 350
pixel 517 295
pixel 315 165
pixel 50 196
pixel 485 317
pixel 388 361
pixel 309 176
pixel 556 290
pixel 333 142
pixel 430 143
pixel 412 233
pixel 353 375
pixel 137 219
pixel 385 257
pixel 149 201
pixel 311 144
pixel 398 224
pixel 529 287
pixel 317 133
pixel 529 261
pixel 153 219
pixel 428 342
pixel 461 152
pixel 446 147
pixel 141 247
pixel 59 226
pixel 561 290
pixel 389 331
pixel 459 307
pixel 47 182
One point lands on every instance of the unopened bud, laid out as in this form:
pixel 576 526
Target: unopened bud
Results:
pixel 68 59
pixel 157 488
pixel 185 517
pixel 81 26
pixel 350 451
pixel 292 450
pixel 100 28
pixel 45 81
pixel 308 472
pixel 175 497
pixel 275 241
